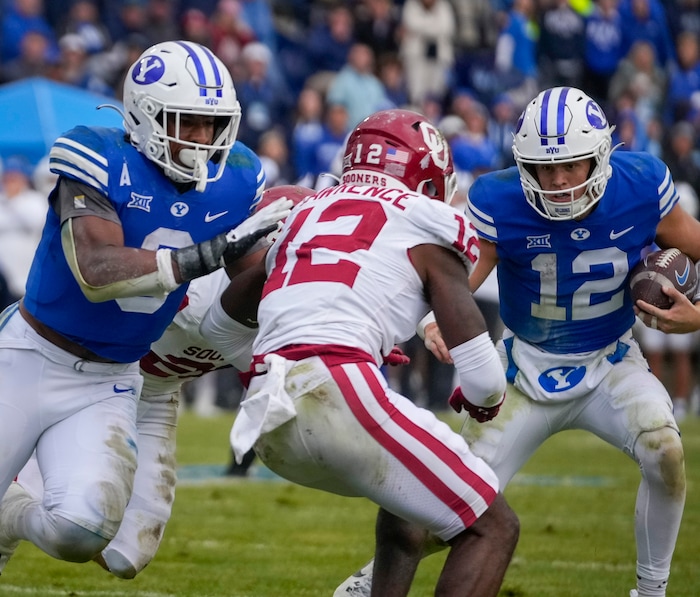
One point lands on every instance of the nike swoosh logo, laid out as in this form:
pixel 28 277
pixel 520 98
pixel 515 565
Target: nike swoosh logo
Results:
pixel 614 235
pixel 683 278
pixel 211 217
pixel 121 390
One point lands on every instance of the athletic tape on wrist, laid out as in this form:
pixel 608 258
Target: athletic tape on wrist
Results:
pixel 420 328
pixel 166 275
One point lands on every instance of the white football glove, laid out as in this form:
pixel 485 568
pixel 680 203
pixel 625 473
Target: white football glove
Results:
pixel 275 213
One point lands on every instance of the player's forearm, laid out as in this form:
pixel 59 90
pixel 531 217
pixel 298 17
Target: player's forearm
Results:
pixel 481 375
pixel 113 272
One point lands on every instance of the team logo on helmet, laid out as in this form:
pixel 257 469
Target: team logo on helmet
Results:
pixel 595 115
pixel 439 151
pixel 148 70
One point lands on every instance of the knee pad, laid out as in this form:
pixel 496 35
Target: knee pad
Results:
pixel 118 565
pixel 660 455
pixel 75 543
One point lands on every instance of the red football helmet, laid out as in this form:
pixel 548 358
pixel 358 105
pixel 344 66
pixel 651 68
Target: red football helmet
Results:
pixel 294 192
pixel 400 148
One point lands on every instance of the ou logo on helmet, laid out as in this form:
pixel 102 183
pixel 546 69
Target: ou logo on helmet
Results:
pixel 439 149
pixel 148 70
pixel 596 116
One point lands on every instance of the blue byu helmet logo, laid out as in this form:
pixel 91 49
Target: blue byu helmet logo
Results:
pixel 148 70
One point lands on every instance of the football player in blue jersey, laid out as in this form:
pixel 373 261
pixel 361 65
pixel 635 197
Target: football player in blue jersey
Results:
pixel 182 353
pixel 564 228
pixel 135 215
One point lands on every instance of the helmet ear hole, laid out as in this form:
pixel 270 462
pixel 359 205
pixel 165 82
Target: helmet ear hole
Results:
pixel 430 189
pixel 148 107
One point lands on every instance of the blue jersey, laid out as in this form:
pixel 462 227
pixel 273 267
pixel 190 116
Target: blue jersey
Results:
pixel 563 285
pixel 153 214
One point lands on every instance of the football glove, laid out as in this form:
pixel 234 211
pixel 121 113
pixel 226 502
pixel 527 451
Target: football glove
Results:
pixel 481 413
pixel 396 357
pixel 205 257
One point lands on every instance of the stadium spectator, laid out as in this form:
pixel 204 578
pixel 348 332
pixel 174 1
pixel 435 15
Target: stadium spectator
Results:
pixel 196 27
pixel 645 20
pixel 629 133
pixel 377 25
pixel 602 49
pixel 22 215
pixel 640 77
pixel 260 18
pixel 473 150
pixel 230 32
pixel 560 48
pixel 516 53
pixel 265 101
pixel 684 79
pixel 163 22
pixel 427 48
pixel 394 80
pixel 453 129
pixel 273 151
pixel 124 18
pixel 73 66
pixel 357 87
pixel 83 19
pixel 334 132
pixel 37 58
pixel 682 154
pixel 477 26
pixel 501 128
pixel 307 133
pixel 329 40
pixel 20 17
pixel 684 15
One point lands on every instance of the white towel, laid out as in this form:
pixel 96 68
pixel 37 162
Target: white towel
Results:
pixel 266 409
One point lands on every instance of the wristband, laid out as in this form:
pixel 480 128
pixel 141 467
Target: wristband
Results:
pixel 420 328
pixel 166 275
pixel 480 370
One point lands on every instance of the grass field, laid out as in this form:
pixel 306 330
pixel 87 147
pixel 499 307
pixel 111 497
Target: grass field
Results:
pixel 267 538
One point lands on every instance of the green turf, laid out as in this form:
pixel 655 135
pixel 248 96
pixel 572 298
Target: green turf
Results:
pixel 266 538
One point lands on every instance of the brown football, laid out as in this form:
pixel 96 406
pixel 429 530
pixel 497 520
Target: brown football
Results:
pixel 667 267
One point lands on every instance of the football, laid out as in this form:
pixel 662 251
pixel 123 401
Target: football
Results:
pixel 667 267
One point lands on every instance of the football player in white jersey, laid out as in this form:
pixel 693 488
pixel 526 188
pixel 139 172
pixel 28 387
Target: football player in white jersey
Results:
pixel 135 215
pixel 355 268
pixel 565 227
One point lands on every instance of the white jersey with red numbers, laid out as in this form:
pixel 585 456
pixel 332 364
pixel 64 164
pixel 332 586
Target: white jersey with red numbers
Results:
pixel 341 291
pixel 181 353
pixel 348 279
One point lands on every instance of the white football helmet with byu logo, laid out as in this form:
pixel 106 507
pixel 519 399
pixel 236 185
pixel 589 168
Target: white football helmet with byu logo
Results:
pixel 176 78
pixel 563 124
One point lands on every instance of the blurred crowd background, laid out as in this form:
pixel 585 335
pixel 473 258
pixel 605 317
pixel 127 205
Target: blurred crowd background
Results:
pixel 307 71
